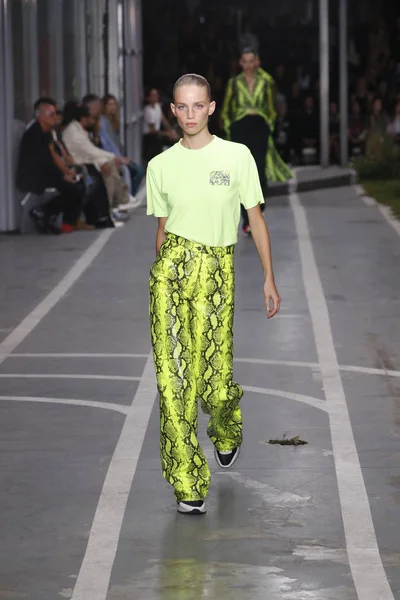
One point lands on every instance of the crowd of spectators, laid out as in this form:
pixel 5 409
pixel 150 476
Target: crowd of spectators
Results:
pixel 208 42
pixel 77 150
pixel 75 153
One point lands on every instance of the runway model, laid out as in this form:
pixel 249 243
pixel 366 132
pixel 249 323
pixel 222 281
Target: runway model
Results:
pixel 195 189
pixel 248 115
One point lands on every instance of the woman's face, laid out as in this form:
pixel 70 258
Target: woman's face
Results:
pixel 192 108
pixel 111 106
pixel 153 97
pixel 377 106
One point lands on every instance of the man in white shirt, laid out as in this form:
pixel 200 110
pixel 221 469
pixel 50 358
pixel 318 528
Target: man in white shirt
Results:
pixel 83 151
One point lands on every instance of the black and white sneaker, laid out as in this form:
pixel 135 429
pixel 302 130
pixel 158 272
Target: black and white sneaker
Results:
pixel 226 459
pixel 192 507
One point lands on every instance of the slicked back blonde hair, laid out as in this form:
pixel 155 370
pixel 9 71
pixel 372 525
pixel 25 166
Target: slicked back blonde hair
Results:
pixel 193 79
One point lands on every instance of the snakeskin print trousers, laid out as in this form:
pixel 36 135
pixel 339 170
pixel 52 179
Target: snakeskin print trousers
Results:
pixel 191 315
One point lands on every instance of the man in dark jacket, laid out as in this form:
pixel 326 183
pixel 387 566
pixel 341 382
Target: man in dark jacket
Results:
pixel 37 171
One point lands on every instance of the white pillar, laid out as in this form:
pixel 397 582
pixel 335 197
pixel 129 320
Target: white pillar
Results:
pixel 113 49
pixel 81 58
pixel 133 96
pixel 30 44
pixel 324 80
pixel 8 212
pixel 343 76
pixel 55 28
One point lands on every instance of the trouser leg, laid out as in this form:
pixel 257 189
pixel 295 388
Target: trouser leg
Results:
pixel 117 189
pixel 137 174
pixel 212 333
pixel 97 209
pixel 184 465
pixel 69 202
pixel 253 132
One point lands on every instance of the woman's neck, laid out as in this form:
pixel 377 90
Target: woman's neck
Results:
pixel 197 141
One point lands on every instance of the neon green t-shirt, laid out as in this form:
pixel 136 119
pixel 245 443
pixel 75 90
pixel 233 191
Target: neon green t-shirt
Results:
pixel 200 191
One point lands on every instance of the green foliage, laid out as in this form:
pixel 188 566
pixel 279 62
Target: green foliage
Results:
pixel 386 192
pixel 381 160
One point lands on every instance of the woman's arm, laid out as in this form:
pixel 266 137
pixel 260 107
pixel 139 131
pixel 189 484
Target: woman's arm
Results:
pixel 161 235
pixel 259 232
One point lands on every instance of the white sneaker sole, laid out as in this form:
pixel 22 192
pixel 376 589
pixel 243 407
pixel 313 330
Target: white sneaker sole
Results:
pixel 186 509
pixel 231 463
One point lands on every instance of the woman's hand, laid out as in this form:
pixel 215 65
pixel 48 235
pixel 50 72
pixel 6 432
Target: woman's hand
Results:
pixel 272 298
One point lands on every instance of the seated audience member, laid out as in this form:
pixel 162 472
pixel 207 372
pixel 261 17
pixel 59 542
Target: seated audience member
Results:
pixel 394 125
pixel 37 171
pixel 309 130
pixel 378 120
pixel 334 126
pixel 96 205
pixel 100 137
pixel 133 173
pixel 84 152
pixel 155 138
pixel 362 95
pixel 357 131
pixel 283 132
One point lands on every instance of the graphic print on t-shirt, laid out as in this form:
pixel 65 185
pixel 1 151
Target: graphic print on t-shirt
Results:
pixel 220 178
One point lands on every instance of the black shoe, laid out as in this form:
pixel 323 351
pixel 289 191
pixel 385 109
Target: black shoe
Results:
pixel 104 224
pixel 52 225
pixel 226 459
pixel 192 507
pixel 38 216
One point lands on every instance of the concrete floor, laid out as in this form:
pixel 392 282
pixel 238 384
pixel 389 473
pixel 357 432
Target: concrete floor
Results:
pixel 84 511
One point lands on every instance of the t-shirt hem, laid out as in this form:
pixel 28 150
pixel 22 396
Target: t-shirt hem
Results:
pixel 156 214
pixel 254 205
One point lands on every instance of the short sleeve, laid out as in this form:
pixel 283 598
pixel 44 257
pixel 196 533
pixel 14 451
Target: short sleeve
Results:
pixel 250 188
pixel 156 204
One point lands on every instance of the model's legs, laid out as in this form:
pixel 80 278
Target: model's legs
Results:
pixel 212 331
pixel 253 132
pixel 183 463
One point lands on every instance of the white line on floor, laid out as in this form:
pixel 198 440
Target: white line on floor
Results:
pixel 366 566
pixel 261 361
pixel 385 211
pixel 79 355
pixel 94 576
pixel 359 189
pixel 369 201
pixel 89 403
pixel 12 341
pixel 311 365
pixel 283 363
pixel 310 400
pixel 66 376
pixel 387 214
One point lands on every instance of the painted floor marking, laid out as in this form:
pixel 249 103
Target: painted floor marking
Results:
pixel 70 401
pixel 94 576
pixel 27 325
pixel 261 361
pixel 362 548
pixel 310 400
pixel 66 376
pixel 76 355
pixel 316 366
pixel 385 211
